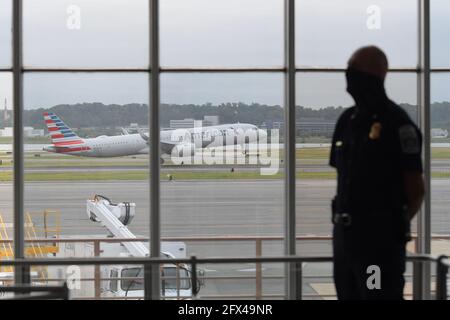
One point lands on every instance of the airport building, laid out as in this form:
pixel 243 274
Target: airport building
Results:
pixel 191 123
pixel 213 214
pixel 28 132
pixel 314 127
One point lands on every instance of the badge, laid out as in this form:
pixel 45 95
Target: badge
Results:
pixel 409 139
pixel 375 131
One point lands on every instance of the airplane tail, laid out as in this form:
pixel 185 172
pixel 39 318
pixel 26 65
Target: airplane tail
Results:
pixel 60 133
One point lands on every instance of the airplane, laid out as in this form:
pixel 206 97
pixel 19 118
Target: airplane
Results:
pixel 179 142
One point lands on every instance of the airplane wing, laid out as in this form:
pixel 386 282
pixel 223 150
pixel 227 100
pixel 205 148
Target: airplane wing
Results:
pixel 144 135
pixel 166 147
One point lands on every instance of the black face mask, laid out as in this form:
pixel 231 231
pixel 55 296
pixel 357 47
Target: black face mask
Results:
pixel 367 90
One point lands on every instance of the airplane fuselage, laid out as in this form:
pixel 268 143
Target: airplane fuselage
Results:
pixel 106 146
pixel 135 144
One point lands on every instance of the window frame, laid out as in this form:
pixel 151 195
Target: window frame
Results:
pixel 152 276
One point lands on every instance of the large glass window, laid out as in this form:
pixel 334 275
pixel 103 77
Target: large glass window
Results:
pixel 82 139
pixel 440 48
pixel 90 105
pixel 321 98
pixel 440 156
pixel 85 90
pixel 220 199
pixel 83 33
pixel 215 33
pixel 5 33
pixel 328 31
pixel 6 172
pixel 440 126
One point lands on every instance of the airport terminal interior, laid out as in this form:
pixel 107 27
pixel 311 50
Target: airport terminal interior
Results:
pixel 178 149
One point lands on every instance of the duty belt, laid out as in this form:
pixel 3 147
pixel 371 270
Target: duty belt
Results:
pixel 343 219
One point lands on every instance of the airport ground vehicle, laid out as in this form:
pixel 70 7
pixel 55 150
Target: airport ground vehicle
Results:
pixel 101 281
pixel 127 281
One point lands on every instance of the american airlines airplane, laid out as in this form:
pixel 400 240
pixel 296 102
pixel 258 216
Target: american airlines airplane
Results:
pixel 181 142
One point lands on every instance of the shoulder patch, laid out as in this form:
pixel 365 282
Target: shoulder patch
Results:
pixel 409 139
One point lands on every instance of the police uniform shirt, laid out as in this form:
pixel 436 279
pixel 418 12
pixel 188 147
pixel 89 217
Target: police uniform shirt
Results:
pixel 371 152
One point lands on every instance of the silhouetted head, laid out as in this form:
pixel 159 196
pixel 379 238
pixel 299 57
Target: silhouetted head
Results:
pixel 370 60
pixel 366 71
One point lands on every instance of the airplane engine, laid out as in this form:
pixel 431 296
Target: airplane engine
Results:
pixel 184 150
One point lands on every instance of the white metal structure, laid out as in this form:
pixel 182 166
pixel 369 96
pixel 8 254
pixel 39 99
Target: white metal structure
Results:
pixel 115 218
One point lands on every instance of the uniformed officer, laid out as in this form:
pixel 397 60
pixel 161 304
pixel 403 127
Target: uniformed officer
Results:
pixel 376 150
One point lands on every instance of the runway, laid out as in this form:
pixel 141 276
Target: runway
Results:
pixel 207 207
pixel 214 208
pixel 204 207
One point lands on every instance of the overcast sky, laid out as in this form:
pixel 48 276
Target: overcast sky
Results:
pixel 113 33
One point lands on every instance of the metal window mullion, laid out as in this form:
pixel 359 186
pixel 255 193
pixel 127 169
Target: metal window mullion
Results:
pixel 86 70
pixel 207 70
pixel 144 260
pixel 151 274
pixel 342 70
pixel 422 274
pixel 21 274
pixel 289 147
pixel 439 70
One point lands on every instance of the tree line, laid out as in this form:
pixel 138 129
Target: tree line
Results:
pixel 85 115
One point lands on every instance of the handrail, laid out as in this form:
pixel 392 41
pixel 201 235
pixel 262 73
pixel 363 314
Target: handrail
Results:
pixel 441 278
pixel 145 260
pixel 258 240
pixel 27 292
pixel 192 260
pixel 196 239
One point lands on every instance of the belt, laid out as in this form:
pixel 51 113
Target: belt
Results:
pixel 343 219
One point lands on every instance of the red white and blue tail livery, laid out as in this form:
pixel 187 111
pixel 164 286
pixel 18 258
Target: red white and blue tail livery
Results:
pixel 66 141
pixel 63 138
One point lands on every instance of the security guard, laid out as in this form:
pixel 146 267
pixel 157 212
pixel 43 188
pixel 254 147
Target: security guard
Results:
pixel 376 150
